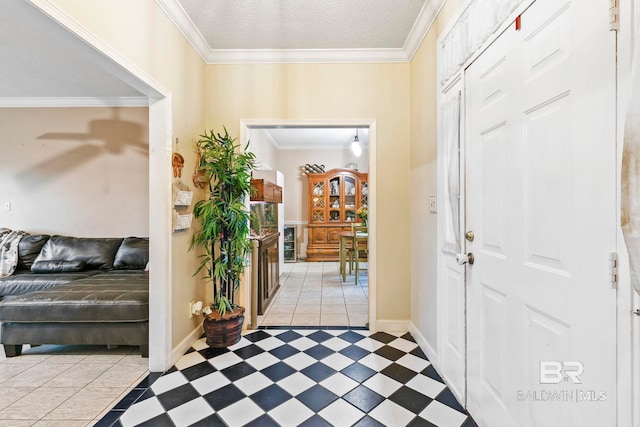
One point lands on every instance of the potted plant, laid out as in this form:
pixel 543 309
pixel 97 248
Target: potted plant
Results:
pixel 224 233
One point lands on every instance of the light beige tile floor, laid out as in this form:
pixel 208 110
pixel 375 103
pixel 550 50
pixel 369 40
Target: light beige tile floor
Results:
pixel 66 385
pixel 313 294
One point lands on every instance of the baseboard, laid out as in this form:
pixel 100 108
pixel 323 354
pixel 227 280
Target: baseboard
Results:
pixel 424 345
pixel 184 345
pixel 392 325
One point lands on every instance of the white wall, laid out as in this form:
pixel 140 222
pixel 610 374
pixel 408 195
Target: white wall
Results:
pixel 75 171
pixel 265 152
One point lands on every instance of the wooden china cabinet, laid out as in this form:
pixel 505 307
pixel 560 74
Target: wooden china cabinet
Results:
pixel 334 197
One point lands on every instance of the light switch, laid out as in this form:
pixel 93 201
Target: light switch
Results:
pixel 7 206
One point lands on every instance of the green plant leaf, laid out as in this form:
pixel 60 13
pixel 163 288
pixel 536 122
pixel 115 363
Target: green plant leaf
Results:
pixel 224 218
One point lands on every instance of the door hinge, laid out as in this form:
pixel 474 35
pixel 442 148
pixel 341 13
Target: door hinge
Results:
pixel 613 270
pixel 613 15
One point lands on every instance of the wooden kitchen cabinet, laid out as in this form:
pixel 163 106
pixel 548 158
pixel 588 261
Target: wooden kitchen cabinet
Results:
pixel 265 191
pixel 268 270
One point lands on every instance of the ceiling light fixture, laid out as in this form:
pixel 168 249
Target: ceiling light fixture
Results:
pixel 355 145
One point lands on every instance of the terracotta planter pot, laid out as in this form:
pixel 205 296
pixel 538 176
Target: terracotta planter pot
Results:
pixel 224 331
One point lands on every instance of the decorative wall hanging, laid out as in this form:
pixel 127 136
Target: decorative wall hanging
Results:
pixel 199 177
pixel 181 199
pixel 313 168
pixel 177 162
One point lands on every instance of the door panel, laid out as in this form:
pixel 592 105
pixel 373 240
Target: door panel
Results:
pixel 547 190
pixel 453 343
pixel 541 201
pixel 494 161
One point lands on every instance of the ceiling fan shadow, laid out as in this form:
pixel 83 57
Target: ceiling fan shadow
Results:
pixel 56 167
pixel 113 137
pixel 115 134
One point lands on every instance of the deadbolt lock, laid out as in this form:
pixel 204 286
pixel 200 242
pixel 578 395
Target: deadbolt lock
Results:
pixel 469 235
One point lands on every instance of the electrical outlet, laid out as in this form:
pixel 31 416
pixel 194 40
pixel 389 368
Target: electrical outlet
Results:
pixel 432 204
pixel 191 304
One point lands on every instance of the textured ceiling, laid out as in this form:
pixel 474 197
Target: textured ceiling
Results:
pixel 304 24
pixel 233 31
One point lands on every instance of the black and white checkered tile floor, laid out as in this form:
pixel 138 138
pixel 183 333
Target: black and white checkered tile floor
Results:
pixel 297 377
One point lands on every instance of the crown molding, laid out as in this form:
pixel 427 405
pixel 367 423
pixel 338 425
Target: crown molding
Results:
pixel 421 27
pixel 62 102
pixel 176 13
pixel 278 56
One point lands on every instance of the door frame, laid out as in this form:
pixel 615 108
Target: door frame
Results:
pixel 246 124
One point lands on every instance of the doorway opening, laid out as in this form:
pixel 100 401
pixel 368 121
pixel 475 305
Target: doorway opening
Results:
pixel 314 291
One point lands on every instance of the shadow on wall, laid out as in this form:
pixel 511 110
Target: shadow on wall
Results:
pixel 105 137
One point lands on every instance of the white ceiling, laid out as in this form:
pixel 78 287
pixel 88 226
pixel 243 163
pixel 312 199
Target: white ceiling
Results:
pixel 43 62
pixel 232 31
pixel 306 138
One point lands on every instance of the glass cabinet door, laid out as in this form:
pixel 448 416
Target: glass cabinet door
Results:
pixel 350 199
pixel 318 205
pixel 364 194
pixel 335 201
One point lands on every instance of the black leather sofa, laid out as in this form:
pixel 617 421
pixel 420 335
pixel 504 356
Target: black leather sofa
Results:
pixel 69 290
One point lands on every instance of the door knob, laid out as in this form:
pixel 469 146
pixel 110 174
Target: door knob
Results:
pixel 462 259
pixel 469 236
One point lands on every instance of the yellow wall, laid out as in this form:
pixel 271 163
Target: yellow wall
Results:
pixel 423 178
pixel 140 31
pixel 337 91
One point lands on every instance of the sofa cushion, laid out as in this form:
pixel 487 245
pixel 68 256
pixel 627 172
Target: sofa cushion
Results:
pixel 121 296
pixel 95 252
pixel 58 266
pixel 29 248
pixel 24 281
pixel 133 254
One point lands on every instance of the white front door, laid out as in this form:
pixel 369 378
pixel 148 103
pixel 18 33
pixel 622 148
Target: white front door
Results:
pixel 541 168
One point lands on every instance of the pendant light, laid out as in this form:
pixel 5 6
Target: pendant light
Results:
pixel 355 145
